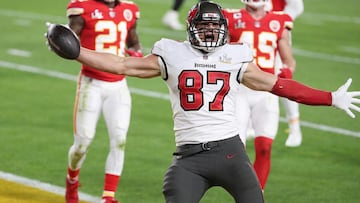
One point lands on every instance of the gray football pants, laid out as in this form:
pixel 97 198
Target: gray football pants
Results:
pixel 225 164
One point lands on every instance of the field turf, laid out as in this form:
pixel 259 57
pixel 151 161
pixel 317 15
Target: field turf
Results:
pixel 37 91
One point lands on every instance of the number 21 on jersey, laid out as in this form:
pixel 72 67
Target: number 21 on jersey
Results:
pixel 116 33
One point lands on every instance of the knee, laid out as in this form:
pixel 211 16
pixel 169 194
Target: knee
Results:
pixel 263 146
pixel 80 146
pixel 79 150
pixel 118 140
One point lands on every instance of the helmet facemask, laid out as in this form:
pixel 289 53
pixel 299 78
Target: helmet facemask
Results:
pixel 207 27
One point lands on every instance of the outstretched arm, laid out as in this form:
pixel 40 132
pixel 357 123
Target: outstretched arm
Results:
pixel 146 67
pixel 259 80
pixel 64 42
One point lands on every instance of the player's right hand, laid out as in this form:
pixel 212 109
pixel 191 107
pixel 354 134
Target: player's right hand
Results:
pixel 62 40
pixel 344 100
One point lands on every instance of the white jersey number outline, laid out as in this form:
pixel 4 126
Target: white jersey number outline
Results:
pixel 191 84
pixel 264 50
pixel 114 30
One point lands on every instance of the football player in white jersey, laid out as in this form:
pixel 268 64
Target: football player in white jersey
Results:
pixel 203 76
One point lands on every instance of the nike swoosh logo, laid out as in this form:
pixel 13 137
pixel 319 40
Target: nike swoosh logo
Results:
pixel 230 156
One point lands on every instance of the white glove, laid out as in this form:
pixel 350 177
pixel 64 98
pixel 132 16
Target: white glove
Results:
pixel 344 100
pixel 48 26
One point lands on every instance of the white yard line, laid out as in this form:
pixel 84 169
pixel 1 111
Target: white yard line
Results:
pixel 157 95
pixel 44 186
pixel 152 94
pixel 326 57
pixel 182 35
pixel 43 17
pixel 18 52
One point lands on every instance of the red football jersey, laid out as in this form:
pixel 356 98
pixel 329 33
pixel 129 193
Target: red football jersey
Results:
pixel 105 30
pixel 262 35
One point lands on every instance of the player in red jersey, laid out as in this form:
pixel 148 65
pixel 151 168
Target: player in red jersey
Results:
pixel 266 33
pixel 104 26
pixel 294 9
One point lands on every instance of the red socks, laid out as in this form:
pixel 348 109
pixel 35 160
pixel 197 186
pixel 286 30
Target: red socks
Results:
pixel 73 174
pixel 262 161
pixel 110 185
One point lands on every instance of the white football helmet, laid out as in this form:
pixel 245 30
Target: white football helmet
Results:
pixel 255 3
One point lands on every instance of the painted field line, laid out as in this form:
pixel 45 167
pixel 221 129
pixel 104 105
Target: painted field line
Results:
pixel 182 35
pixel 158 95
pixel 44 186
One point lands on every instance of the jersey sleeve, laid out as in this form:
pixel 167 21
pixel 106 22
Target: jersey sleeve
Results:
pixel 136 11
pixel 288 22
pixel 242 52
pixel 284 18
pixel 75 8
pixel 159 50
pixel 158 47
pixel 247 57
pixel 133 7
pixel 242 71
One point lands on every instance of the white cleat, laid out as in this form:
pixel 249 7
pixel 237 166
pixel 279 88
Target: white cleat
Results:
pixel 294 140
pixel 171 20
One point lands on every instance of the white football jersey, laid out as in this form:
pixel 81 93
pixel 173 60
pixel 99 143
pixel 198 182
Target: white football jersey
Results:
pixel 203 88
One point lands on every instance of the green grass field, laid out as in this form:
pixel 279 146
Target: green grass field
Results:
pixel 36 108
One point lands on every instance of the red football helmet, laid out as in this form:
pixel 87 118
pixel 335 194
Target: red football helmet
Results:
pixel 206 26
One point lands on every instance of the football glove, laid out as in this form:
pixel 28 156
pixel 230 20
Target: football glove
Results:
pixel 133 53
pixel 344 100
pixel 285 73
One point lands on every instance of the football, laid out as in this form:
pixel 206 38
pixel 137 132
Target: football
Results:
pixel 63 41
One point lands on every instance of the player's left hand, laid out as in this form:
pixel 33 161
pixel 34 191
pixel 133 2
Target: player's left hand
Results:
pixel 344 100
pixel 285 73
pixel 134 53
